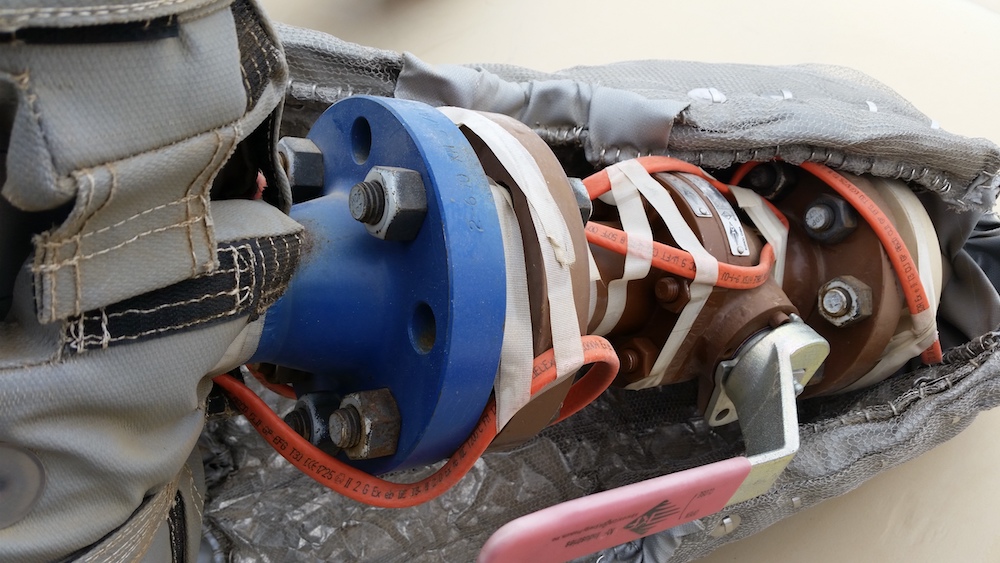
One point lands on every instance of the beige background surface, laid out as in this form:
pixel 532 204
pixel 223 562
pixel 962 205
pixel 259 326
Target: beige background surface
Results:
pixel 943 55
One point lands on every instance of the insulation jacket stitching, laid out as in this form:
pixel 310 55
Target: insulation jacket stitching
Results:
pixel 253 273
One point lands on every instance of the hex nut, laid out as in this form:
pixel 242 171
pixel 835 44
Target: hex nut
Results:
pixel 772 180
pixel 405 203
pixel 844 301
pixel 672 294
pixel 302 161
pixel 829 219
pixel 379 423
pixel 638 356
pixel 309 419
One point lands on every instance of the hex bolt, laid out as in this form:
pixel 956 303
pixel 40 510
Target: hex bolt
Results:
pixel 836 302
pixel 772 180
pixel 829 219
pixel 366 425
pixel 819 217
pixel 667 289
pixel 302 161
pixel 844 300
pixel 345 427
pixel 672 294
pixel 630 360
pixel 391 202
pixel 762 177
pixel 367 201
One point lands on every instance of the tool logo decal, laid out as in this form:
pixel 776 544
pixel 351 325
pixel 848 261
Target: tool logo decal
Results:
pixel 643 524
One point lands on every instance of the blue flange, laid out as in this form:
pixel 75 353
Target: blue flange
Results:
pixel 424 317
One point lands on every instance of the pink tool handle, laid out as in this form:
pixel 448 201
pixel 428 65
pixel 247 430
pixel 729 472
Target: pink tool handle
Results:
pixel 609 518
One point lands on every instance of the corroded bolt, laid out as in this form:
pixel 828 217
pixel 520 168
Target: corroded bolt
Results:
pixel 345 427
pixel 367 201
pixel 844 300
pixel 836 302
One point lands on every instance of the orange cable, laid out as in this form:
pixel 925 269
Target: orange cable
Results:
pixel 285 391
pixel 362 487
pixel 668 258
pixel 681 263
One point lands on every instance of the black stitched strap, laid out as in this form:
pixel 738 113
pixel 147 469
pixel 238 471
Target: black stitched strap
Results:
pixel 177 526
pixel 251 275
pixel 159 28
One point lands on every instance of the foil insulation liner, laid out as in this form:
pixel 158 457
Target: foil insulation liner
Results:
pixel 262 509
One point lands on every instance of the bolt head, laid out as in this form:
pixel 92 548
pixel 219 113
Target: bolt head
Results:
pixel 630 360
pixel 667 289
pixel 302 161
pixel 378 422
pixel 836 302
pixel 298 421
pixel 829 219
pixel 844 301
pixel 345 427
pixel 819 217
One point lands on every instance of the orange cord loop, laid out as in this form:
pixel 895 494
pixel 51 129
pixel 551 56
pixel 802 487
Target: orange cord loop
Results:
pixel 362 487
pixel 285 391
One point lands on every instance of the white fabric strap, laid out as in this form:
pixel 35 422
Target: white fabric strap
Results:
pixel 595 277
pixel 639 252
pixel 513 389
pixel 705 276
pixel 772 229
pixel 556 246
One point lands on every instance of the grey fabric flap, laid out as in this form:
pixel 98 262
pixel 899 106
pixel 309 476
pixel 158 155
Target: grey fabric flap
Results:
pixel 133 134
pixel 113 425
pixel 117 224
pixel 84 105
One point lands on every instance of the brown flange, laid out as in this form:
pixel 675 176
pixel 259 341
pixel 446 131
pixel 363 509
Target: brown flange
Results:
pixel 538 413
pixel 855 349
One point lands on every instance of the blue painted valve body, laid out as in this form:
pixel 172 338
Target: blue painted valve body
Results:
pixel 423 318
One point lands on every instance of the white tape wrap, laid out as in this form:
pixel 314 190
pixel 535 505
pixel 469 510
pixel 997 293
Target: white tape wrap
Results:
pixel 639 255
pixel 556 246
pixel 513 389
pixel 774 231
pixel 705 276
pixel 915 333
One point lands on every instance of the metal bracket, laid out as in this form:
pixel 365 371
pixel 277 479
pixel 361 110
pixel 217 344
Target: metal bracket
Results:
pixel 721 411
pixel 762 387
